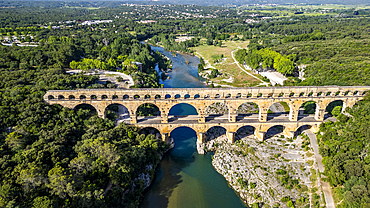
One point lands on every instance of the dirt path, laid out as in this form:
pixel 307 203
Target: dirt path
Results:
pixel 325 186
pixel 237 63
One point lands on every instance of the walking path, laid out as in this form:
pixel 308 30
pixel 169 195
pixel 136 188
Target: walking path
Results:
pixel 237 63
pixel 325 185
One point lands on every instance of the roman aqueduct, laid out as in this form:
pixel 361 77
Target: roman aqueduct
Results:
pixel 200 98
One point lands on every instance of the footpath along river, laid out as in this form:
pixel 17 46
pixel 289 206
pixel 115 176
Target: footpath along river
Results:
pixel 185 179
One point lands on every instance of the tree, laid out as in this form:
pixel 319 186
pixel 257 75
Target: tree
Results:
pixel 336 111
pixel 283 65
pixel 42 202
pixel 61 182
pixel 200 68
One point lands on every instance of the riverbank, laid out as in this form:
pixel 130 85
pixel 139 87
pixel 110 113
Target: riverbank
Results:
pixel 277 172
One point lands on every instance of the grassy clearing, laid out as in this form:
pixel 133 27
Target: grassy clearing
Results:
pixel 227 66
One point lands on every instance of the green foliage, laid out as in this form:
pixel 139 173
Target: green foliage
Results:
pixel 243 183
pixel 336 111
pixel 268 58
pixel 57 157
pixel 214 73
pixel 342 144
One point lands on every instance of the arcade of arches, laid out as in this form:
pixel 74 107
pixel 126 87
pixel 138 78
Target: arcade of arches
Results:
pixel 241 106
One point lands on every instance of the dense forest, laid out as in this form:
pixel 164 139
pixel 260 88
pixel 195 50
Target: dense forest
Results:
pixel 57 157
pixel 344 146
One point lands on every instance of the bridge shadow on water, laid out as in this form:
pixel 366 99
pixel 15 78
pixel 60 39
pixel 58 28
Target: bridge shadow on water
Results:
pixel 174 162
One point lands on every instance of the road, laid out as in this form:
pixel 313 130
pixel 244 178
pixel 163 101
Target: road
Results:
pixel 325 186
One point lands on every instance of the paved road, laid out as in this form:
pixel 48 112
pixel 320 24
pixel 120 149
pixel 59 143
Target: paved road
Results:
pixel 325 186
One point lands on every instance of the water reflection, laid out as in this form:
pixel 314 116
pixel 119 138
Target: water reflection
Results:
pixel 186 179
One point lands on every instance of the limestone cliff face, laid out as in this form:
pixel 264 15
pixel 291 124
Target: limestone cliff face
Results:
pixel 255 170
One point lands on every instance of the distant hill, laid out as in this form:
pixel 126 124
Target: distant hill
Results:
pixel 243 2
pixel 114 3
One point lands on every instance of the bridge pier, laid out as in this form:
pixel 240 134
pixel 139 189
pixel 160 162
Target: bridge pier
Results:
pixel 262 117
pixel 101 115
pixel 133 119
pixel 165 137
pixel 289 132
pixel 232 117
pixel 231 137
pixel 201 118
pixel 201 137
pixel 260 135
pixel 164 118
pixel 293 114
pixel 319 114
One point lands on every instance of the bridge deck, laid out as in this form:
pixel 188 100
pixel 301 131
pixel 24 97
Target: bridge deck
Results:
pixel 224 119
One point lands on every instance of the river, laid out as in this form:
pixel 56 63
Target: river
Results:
pixel 185 179
pixel 183 75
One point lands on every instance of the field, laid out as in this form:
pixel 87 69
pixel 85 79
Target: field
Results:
pixel 227 66
pixel 309 10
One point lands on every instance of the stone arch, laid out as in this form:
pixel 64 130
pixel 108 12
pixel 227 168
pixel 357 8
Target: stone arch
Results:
pixel 85 106
pixel 215 132
pixel 217 108
pixel 167 96
pixel 147 109
pixel 196 96
pixel 278 109
pixel 61 97
pixel 114 97
pixel 93 97
pixel 50 97
pixel 82 97
pixel 117 111
pixel 182 134
pixel 274 130
pixel 104 97
pixel 71 97
pixel 125 97
pixel 157 97
pixel 177 96
pixel 302 128
pixel 228 95
pixel 244 131
pixel 182 109
pixel 308 108
pixel 333 104
pixel 187 96
pixel 150 130
pixel 147 97
pixel 136 97
pixel 248 108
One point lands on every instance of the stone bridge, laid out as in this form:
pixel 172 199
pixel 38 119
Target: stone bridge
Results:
pixel 201 98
